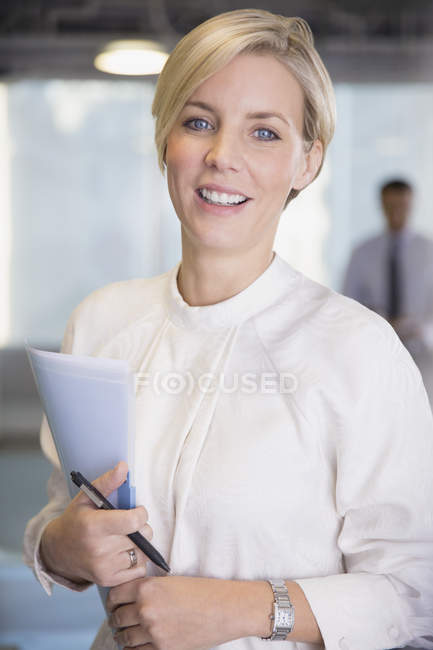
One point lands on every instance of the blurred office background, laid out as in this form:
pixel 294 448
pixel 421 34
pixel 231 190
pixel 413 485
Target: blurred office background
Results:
pixel 82 203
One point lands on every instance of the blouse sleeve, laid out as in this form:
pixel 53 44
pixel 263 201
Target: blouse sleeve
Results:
pixel 58 499
pixel 384 495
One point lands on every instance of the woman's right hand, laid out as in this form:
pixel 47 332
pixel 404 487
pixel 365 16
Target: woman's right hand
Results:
pixel 86 544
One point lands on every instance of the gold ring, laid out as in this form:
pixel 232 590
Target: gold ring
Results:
pixel 132 558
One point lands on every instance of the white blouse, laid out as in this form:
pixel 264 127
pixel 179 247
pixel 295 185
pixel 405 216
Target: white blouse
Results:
pixel 282 433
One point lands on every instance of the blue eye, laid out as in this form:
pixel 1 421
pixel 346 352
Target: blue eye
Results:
pixel 266 134
pixel 198 124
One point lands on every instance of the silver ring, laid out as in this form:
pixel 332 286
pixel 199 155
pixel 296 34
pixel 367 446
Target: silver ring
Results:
pixel 132 558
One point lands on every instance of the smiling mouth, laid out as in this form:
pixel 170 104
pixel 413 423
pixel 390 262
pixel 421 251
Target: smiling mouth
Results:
pixel 221 198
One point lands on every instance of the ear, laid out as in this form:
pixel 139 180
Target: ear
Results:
pixel 309 167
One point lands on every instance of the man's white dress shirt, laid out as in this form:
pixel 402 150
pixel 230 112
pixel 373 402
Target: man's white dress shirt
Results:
pixel 282 433
pixel 367 281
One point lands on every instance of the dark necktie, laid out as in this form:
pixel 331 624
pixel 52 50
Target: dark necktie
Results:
pixel 394 280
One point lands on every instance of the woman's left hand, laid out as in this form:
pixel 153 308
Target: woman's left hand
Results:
pixel 186 613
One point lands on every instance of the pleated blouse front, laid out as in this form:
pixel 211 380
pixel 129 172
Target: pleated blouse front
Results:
pixel 282 433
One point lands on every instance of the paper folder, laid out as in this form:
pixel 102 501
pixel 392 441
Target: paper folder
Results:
pixel 89 404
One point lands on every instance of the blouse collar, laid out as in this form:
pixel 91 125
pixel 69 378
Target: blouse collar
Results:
pixel 265 290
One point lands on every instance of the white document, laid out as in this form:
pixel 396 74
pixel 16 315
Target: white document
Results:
pixel 89 405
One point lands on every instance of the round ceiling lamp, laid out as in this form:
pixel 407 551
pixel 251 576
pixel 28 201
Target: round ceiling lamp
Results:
pixel 131 57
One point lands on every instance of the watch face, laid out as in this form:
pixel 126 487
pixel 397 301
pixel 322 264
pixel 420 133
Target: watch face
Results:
pixel 284 617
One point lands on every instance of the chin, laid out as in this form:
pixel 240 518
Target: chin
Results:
pixel 212 237
pixel 217 244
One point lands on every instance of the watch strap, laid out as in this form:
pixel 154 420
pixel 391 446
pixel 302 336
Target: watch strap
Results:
pixel 281 602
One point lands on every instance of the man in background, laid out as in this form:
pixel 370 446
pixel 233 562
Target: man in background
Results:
pixel 392 274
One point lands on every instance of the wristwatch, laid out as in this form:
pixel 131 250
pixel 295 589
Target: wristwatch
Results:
pixel 284 613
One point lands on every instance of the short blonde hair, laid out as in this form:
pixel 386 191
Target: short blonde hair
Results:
pixel 214 43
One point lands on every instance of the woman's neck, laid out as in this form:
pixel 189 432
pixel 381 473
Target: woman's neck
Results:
pixel 207 277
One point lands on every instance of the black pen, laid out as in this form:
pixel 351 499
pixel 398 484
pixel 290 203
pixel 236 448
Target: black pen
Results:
pixel 101 502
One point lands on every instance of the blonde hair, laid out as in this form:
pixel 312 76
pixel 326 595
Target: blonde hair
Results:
pixel 214 43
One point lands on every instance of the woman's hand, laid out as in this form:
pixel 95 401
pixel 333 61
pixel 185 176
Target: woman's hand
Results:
pixel 86 544
pixel 185 613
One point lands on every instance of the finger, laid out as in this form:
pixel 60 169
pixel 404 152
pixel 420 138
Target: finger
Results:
pixel 121 569
pixel 107 576
pixel 146 531
pixel 123 522
pixel 124 593
pixel 124 616
pixel 123 577
pixel 113 479
pixel 132 637
pixel 108 482
pixel 130 558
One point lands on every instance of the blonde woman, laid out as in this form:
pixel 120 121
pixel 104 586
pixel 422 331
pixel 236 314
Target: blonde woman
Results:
pixel 291 472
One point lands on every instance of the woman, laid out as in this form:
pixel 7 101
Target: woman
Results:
pixel 296 445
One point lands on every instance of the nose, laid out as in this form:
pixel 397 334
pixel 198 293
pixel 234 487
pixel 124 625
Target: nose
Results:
pixel 225 152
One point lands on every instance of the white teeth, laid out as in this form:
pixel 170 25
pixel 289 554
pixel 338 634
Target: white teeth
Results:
pixel 221 198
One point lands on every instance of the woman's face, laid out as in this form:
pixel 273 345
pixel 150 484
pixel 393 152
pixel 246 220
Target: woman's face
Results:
pixel 235 153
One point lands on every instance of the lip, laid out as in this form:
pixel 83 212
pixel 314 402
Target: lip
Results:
pixel 212 187
pixel 219 210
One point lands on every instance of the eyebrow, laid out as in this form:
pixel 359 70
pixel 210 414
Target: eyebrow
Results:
pixel 259 115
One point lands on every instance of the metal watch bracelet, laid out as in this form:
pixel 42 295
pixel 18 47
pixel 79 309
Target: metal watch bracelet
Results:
pixel 283 616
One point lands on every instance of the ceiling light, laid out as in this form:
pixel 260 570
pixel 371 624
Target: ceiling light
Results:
pixel 131 57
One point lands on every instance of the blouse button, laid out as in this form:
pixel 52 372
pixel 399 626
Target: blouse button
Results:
pixel 393 632
pixel 343 644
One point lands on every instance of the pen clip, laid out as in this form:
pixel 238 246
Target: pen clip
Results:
pixel 92 496
pixel 91 491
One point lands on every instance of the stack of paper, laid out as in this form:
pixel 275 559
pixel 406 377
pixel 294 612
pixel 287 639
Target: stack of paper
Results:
pixel 89 404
